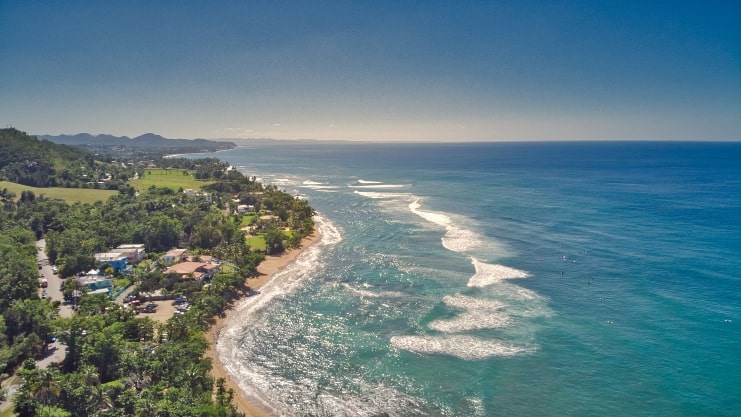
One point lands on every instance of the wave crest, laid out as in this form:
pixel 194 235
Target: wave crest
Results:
pixel 490 274
pixel 460 346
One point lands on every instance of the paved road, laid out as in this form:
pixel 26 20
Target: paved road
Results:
pixel 53 291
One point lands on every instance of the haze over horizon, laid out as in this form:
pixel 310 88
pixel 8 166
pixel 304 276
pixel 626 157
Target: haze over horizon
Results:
pixel 408 71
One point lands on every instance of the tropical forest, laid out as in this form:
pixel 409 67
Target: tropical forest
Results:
pixel 116 360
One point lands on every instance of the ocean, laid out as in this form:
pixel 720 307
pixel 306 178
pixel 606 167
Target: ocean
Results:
pixel 500 279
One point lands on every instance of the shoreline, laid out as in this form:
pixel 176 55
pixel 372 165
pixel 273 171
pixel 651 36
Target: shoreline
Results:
pixel 266 270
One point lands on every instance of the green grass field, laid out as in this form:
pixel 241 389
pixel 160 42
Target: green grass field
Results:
pixel 247 220
pixel 168 178
pixel 257 243
pixel 70 195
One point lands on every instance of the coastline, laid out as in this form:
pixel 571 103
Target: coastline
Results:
pixel 266 270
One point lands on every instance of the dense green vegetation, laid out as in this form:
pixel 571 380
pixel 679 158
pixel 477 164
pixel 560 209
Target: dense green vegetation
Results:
pixel 28 161
pixel 25 319
pixel 117 363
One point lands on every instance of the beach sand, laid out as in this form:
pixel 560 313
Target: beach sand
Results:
pixel 266 270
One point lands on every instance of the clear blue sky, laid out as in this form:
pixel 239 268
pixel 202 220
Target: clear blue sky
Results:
pixel 374 70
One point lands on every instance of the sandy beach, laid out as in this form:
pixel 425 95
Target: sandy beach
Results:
pixel 266 270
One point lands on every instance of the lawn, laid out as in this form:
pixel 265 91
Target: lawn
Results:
pixel 257 243
pixel 174 179
pixel 248 220
pixel 70 195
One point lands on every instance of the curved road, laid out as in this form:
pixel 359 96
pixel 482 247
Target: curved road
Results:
pixel 56 351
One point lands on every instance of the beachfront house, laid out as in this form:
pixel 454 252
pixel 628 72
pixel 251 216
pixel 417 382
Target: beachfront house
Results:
pixel 194 270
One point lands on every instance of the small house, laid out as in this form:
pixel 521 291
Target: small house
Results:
pixel 173 256
pixel 194 270
pixel 134 252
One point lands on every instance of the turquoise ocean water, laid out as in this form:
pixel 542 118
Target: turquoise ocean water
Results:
pixel 537 279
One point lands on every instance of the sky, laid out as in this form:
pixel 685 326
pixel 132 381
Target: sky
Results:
pixel 374 70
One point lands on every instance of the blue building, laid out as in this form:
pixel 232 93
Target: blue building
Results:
pixel 96 283
pixel 116 260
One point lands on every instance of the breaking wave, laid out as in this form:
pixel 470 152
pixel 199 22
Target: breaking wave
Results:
pixel 479 314
pixel 456 239
pixel 490 274
pixel 460 346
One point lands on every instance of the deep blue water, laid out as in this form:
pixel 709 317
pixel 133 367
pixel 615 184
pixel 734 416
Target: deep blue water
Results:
pixel 501 279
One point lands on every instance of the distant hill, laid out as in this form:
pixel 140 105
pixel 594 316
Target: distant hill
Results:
pixel 147 141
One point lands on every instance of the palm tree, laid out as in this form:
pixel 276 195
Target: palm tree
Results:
pixel 49 387
pixel 88 377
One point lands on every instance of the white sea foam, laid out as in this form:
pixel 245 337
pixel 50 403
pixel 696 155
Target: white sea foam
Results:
pixel 490 274
pixel 254 381
pixel 321 187
pixel 313 185
pixel 437 218
pixel 472 303
pixel 380 196
pixel 460 346
pixel 379 186
pixel 471 320
pixel 480 314
pixel 523 294
pixel 282 283
pixel 461 240
pixel 369 182
pixel 371 294
pixel 456 239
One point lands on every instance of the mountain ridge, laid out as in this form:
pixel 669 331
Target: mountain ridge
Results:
pixel 146 140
